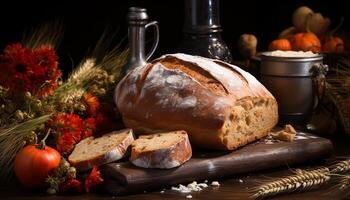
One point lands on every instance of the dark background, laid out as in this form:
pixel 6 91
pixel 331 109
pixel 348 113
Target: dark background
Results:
pixel 85 21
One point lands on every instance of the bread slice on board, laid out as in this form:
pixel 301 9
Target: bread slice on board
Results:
pixel 162 150
pixel 98 151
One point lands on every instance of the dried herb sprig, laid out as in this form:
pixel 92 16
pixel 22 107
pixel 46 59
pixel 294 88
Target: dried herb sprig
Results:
pixel 98 78
pixel 302 180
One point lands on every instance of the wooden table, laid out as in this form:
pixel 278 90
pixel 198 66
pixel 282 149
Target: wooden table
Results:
pixel 237 187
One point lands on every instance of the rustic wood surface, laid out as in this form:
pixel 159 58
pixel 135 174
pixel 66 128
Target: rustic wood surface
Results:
pixel 125 178
pixel 231 187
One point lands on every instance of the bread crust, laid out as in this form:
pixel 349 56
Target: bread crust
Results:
pixel 195 94
pixel 114 154
pixel 165 158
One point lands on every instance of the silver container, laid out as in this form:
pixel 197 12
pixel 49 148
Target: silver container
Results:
pixel 293 82
pixel 138 23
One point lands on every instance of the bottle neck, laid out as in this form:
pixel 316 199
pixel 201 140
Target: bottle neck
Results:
pixel 137 42
pixel 202 16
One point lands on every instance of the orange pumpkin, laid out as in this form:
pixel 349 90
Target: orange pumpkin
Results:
pixel 306 42
pixel 333 45
pixel 280 44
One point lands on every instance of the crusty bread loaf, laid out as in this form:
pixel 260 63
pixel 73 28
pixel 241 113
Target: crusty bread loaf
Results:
pixel 218 104
pixel 161 150
pixel 97 151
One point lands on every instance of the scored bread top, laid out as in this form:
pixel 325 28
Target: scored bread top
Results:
pixel 220 78
pixel 178 91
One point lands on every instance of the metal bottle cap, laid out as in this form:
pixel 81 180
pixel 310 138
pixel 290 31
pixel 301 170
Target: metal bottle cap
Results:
pixel 137 16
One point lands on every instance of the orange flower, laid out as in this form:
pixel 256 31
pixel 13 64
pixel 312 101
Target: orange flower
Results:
pixel 92 103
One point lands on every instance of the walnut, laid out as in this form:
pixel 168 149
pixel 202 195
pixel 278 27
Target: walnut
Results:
pixel 287 134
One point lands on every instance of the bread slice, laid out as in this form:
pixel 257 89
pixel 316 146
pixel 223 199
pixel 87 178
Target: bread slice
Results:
pixel 98 151
pixel 162 150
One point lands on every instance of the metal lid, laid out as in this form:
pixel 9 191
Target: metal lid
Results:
pixel 137 16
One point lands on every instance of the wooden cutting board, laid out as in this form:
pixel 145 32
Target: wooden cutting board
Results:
pixel 124 178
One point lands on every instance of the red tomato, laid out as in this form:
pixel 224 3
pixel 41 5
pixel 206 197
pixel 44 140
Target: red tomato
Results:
pixel 33 165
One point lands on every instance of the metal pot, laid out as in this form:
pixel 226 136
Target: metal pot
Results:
pixel 294 83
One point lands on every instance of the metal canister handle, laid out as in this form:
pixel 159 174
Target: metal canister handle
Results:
pixel 156 37
pixel 320 71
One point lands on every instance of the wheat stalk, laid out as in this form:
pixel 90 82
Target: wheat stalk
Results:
pixel 340 171
pixel 342 185
pixel 341 167
pixel 49 34
pixel 84 71
pixel 302 180
pixel 12 140
pixel 344 182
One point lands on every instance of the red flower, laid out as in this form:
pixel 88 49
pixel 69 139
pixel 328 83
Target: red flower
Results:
pixel 93 179
pixel 65 144
pixel 67 123
pixel 29 70
pixel 67 129
pixel 89 127
pixel 72 185
pixel 92 103
pixel 70 129
pixel 48 63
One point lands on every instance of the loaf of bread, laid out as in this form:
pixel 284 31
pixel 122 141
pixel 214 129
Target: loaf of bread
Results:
pixel 97 151
pixel 219 105
pixel 161 150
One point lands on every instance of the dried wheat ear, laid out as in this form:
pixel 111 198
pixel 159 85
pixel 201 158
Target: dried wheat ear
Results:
pixel 304 180
pixel 340 167
pixel 300 181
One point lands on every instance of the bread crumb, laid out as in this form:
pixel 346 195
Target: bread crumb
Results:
pixel 240 180
pixel 269 142
pixel 284 136
pixel 215 183
pixel 287 134
pixel 206 181
pixel 191 187
pixel 175 188
pixel 162 191
pixel 189 196
pixel 204 185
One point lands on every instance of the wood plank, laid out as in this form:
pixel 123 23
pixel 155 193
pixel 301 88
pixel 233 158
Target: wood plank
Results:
pixel 124 178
